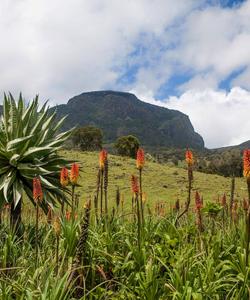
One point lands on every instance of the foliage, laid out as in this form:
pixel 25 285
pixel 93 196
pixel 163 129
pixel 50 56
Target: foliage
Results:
pixel 162 182
pixel 88 138
pixel 29 141
pixel 169 261
pixel 173 262
pixel 127 146
pixel 225 162
pixel 212 208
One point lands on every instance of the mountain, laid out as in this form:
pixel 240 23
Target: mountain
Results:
pixel 242 146
pixel 120 113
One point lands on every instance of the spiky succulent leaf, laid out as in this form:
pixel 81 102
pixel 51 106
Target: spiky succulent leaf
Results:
pixel 29 142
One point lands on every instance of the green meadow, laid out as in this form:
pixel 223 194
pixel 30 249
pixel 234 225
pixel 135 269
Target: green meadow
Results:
pixel 161 182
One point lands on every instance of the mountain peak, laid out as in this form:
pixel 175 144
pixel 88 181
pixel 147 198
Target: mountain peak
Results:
pixel 105 93
pixel 122 113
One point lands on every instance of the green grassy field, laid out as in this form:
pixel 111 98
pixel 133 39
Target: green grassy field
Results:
pixel 125 256
pixel 160 182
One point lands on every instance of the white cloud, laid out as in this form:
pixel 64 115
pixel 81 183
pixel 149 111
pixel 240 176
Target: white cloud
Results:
pixel 209 43
pixel 221 118
pixel 60 48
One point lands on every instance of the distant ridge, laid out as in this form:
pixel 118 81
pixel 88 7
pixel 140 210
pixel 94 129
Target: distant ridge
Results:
pixel 122 113
pixel 242 146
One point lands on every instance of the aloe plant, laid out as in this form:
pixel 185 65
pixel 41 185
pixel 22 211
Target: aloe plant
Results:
pixel 29 141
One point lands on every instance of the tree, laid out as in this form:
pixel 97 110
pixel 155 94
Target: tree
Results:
pixel 88 138
pixel 28 147
pixel 127 146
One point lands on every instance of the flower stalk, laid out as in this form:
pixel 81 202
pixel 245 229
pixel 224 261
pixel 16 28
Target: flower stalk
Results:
pixel 77 271
pixel 246 174
pixel 135 191
pixel 74 175
pixel 102 158
pixel 98 180
pixel 140 162
pixel 57 230
pixel 64 180
pixel 37 196
pixel 190 163
pixel 232 197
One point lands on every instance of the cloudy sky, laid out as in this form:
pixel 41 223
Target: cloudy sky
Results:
pixel 190 55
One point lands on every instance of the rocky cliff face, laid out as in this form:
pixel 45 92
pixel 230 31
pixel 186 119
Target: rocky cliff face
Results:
pixel 118 113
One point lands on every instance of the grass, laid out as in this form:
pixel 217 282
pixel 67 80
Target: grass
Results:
pixel 160 182
pixel 169 261
pixel 172 263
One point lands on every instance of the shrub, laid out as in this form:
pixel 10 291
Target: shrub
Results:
pixel 127 146
pixel 88 138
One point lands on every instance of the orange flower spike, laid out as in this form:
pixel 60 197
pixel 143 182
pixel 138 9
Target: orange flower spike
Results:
pixel 74 173
pixel 64 177
pixel 189 158
pixel 140 159
pixel 102 158
pixel 37 190
pixel 134 184
pixel 246 163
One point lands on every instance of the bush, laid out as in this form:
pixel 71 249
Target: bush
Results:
pixel 127 146
pixel 88 138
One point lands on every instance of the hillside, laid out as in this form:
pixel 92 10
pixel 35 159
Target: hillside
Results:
pixel 161 182
pixel 118 113
pixel 242 146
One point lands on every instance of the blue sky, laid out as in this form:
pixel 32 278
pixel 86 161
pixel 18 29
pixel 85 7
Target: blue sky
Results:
pixel 191 55
pixel 171 87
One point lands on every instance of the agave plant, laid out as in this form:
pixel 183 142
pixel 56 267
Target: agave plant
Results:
pixel 29 141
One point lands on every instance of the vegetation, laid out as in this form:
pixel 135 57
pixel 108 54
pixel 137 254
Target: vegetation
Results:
pixel 125 237
pixel 88 138
pixel 162 182
pixel 167 261
pixel 127 146
pixel 28 145
pixel 226 162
